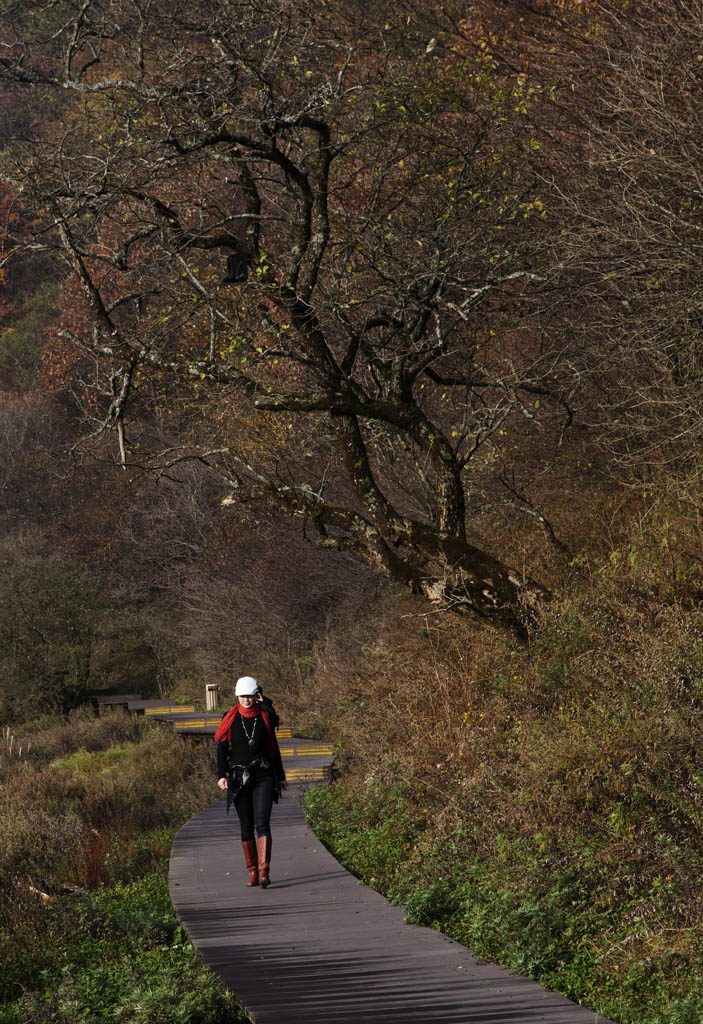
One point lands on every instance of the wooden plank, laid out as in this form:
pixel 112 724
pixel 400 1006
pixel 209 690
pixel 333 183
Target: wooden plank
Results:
pixel 308 774
pixel 170 709
pixel 314 749
pixel 210 730
pixel 318 946
pixel 113 699
pixel 139 704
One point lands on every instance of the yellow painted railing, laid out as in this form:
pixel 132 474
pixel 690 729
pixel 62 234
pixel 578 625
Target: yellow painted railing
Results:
pixel 318 751
pixel 307 774
pixel 171 709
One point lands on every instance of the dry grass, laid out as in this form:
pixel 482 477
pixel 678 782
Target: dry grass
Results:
pixel 46 738
pixel 578 759
pixel 72 807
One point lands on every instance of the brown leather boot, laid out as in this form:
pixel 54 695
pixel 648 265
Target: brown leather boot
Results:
pixel 264 860
pixel 250 857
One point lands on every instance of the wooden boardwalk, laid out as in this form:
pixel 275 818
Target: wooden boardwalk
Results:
pixel 318 946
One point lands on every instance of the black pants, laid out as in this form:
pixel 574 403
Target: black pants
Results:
pixel 254 803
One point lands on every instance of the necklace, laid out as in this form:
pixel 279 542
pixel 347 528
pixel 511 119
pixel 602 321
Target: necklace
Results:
pixel 252 741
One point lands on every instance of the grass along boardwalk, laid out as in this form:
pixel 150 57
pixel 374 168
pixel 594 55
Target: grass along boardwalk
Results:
pixel 318 946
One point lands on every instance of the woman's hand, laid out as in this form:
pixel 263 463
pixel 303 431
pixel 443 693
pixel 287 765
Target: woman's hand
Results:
pixel 222 783
pixel 284 784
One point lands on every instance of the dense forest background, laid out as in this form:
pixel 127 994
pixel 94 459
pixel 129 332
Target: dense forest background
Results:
pixel 428 463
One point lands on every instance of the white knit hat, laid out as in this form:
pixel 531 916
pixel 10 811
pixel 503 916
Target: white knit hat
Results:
pixel 246 686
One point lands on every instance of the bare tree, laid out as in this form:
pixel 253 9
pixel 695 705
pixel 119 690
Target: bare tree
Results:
pixel 382 332
pixel 634 246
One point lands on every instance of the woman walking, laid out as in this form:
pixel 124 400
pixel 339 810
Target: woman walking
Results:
pixel 249 767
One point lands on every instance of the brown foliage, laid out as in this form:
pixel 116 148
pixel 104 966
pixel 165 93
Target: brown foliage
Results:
pixel 391 214
pixel 584 752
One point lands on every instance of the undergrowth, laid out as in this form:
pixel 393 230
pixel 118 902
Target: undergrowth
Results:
pixel 543 806
pixel 87 817
pixel 116 954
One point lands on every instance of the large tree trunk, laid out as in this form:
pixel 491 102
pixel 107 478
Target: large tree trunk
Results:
pixel 451 572
pixel 456 575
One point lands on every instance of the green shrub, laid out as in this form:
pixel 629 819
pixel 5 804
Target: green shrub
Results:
pixel 687 1011
pixel 49 613
pixel 117 954
pixel 21 345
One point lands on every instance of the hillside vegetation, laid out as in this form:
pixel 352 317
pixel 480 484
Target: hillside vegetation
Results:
pixel 541 805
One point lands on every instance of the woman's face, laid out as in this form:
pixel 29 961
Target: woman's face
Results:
pixel 248 701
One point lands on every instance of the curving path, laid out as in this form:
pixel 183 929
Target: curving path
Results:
pixel 318 946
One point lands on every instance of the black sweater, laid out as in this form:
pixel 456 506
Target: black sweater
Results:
pixel 237 749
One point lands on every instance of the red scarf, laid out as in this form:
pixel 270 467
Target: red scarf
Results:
pixel 225 727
